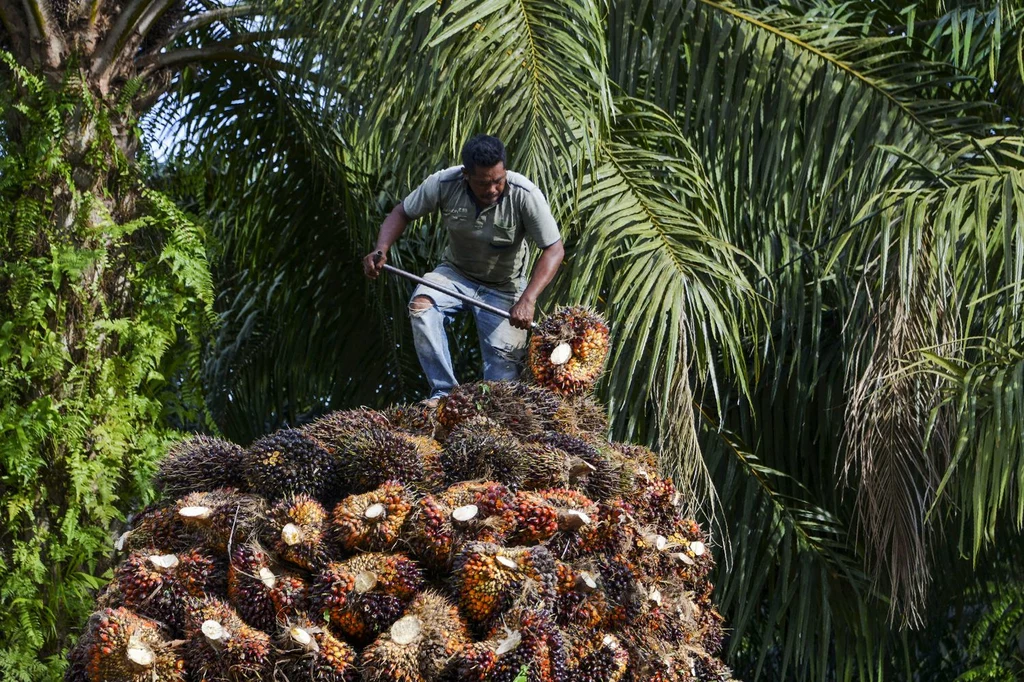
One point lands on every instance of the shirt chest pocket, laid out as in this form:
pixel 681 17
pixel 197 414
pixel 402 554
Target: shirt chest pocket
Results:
pixel 504 234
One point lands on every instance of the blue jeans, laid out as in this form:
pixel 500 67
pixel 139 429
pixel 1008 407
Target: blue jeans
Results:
pixel 502 346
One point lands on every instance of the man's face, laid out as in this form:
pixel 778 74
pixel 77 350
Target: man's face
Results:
pixel 487 184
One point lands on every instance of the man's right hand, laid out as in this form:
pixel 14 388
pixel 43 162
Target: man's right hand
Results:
pixel 373 263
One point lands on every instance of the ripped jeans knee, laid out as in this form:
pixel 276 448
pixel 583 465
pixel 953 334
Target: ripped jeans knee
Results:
pixel 419 305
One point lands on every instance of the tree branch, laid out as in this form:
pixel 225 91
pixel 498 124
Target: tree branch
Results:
pixel 42 30
pixel 204 19
pixel 221 50
pixel 125 20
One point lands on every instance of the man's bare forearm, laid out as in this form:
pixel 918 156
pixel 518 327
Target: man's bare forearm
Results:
pixel 544 271
pixel 392 228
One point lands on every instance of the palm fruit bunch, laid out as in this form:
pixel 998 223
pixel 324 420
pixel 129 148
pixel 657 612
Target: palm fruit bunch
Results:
pixel 199 463
pixel 568 350
pixel 287 462
pixel 498 536
pixel 119 644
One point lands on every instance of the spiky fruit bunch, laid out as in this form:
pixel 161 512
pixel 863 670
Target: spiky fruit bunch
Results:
pixel 118 644
pixel 199 463
pixel 307 652
pixel 465 512
pixel 568 350
pixel 288 462
pixel 295 531
pixel 415 418
pixel 371 521
pixel 222 647
pixel 161 586
pixel 261 592
pixel 220 516
pixel 595 471
pixel 522 409
pixel 421 645
pixel 481 448
pixel 334 430
pixel 525 646
pixel 597 657
pixel 489 578
pixel 375 455
pixel 362 596
pixel 580 600
pixel 581 416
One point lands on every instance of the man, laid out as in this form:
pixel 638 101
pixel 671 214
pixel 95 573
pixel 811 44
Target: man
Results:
pixel 488 211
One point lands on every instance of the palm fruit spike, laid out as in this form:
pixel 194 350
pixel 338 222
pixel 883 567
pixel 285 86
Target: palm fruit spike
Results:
pixel 295 531
pixel 160 585
pixel 221 647
pixel 593 470
pixel 335 429
pixel 159 527
pixel 251 579
pixel 120 645
pixel 415 418
pixel 364 595
pixel 419 646
pixel 581 416
pixel 528 646
pixel 375 455
pixel 580 601
pixel 490 579
pixel 523 410
pixel 481 448
pixel 219 517
pixel 199 463
pixel 371 521
pixel 309 653
pixel 288 462
pixel 567 351
pixel 596 657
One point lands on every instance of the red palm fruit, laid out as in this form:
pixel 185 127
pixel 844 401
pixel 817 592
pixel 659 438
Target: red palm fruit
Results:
pixel 490 579
pixel 295 531
pixel 222 648
pixel 528 645
pixel 288 462
pixel 536 520
pixel 160 586
pixel 419 646
pixel 567 351
pixel 251 577
pixel 657 503
pixel 597 657
pixel 199 463
pixel 118 644
pixel 361 597
pixel 577 522
pixel 309 653
pixel 371 521
pixel 218 517
pixel 157 527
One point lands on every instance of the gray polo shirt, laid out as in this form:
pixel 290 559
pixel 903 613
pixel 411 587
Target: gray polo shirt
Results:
pixel 487 244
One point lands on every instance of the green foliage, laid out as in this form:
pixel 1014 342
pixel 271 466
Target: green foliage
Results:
pixel 93 310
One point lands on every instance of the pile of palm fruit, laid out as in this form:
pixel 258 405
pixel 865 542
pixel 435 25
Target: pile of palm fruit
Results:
pixel 499 536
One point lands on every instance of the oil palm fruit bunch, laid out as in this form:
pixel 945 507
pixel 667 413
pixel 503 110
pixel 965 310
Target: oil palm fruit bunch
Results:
pixel 295 530
pixel 511 542
pixel 371 521
pixel 221 647
pixel 523 409
pixel 119 644
pixel 567 351
pixel 261 591
pixel 421 645
pixel 162 586
pixel 199 463
pixel 308 652
pixel 288 462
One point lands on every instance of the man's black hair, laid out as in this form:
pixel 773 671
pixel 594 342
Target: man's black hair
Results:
pixel 482 151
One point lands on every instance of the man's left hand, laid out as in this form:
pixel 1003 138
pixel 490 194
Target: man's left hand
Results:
pixel 521 314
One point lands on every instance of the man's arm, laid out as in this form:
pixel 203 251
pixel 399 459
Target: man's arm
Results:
pixel 390 230
pixel 543 272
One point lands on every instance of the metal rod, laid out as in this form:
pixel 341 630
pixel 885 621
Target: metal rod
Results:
pixel 462 297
